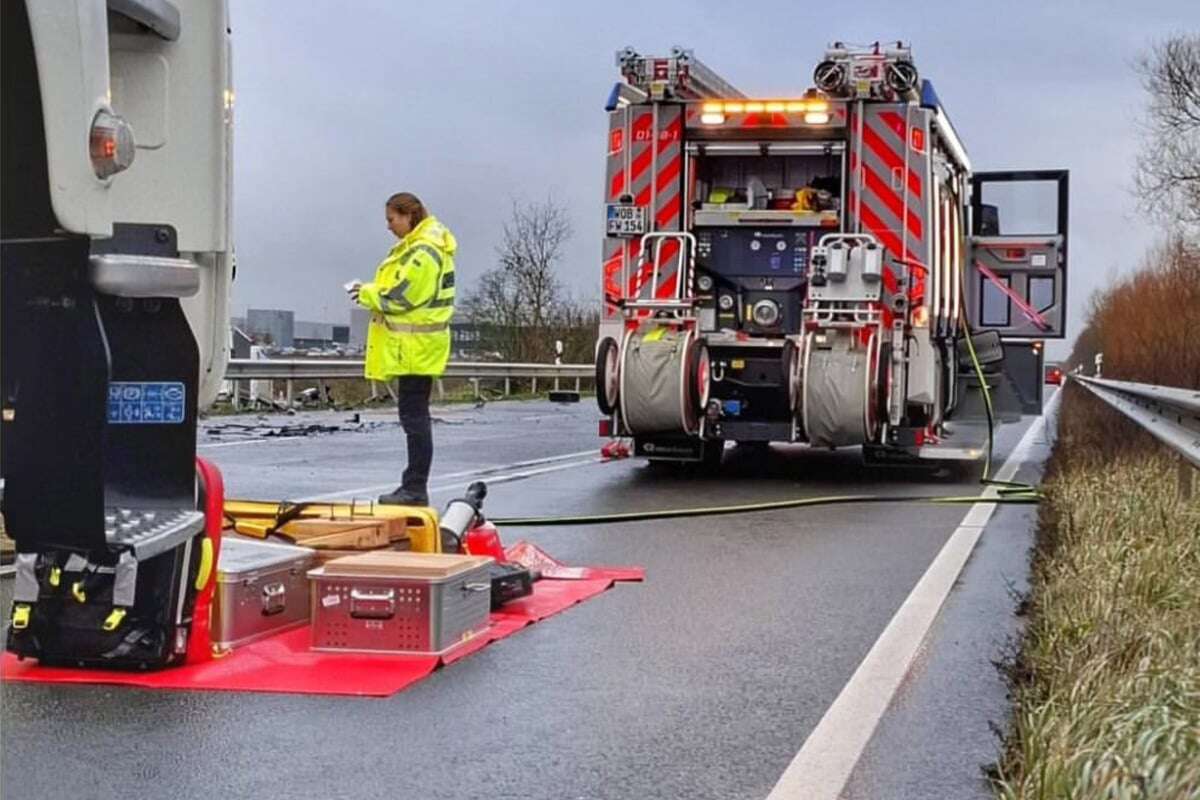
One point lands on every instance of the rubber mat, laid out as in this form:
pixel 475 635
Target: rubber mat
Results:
pixel 284 663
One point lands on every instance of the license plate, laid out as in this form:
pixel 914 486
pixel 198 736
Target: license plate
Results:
pixel 625 220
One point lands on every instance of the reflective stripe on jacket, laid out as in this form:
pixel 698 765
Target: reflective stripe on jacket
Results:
pixel 412 298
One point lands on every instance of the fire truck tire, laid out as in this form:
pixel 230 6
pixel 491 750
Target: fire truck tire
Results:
pixel 698 380
pixel 793 365
pixel 608 381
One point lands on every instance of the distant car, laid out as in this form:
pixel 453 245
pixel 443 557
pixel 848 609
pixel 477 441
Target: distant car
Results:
pixel 1054 375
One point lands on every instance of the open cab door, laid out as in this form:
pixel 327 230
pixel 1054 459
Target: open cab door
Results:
pixel 1016 275
pixel 1017 272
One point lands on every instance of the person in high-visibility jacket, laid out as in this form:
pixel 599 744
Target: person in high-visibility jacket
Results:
pixel 408 337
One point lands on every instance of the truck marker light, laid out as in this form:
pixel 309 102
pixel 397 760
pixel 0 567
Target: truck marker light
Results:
pixel 776 107
pixel 816 117
pixel 920 317
pixel 712 119
pixel 110 145
pixel 918 140
pixel 755 107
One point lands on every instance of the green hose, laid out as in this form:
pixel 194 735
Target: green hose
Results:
pixel 1014 495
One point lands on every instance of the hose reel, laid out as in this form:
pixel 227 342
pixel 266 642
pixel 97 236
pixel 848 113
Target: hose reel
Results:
pixel 840 388
pixel 663 380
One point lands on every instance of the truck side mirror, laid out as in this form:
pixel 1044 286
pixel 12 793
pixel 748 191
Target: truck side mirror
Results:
pixel 989 220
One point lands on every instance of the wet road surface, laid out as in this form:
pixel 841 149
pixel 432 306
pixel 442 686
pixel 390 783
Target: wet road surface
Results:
pixel 702 682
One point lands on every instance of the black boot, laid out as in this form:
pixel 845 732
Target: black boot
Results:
pixel 401 497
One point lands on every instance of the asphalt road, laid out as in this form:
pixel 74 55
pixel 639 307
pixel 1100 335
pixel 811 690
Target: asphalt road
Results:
pixel 702 682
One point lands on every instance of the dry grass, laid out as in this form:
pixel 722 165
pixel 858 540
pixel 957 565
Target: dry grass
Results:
pixel 1106 686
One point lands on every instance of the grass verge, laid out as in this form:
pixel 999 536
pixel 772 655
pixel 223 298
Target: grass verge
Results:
pixel 1106 686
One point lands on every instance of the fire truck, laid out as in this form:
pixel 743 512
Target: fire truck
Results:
pixel 823 268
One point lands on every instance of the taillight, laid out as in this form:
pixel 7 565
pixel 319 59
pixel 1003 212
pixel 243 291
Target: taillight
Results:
pixel 110 145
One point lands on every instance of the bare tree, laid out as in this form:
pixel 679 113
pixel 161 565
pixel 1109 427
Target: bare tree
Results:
pixel 521 301
pixel 1168 167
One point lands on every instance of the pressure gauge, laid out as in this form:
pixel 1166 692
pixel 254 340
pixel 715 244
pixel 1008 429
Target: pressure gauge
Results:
pixel 766 313
pixel 704 283
pixel 726 302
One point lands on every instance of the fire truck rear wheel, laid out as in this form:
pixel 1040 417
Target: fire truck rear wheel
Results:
pixel 608 363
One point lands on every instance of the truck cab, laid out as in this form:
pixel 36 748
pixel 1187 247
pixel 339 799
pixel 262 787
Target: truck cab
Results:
pixel 117 260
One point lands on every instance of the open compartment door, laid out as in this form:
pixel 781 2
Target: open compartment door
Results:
pixel 1017 270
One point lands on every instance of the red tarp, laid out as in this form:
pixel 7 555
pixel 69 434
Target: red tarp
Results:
pixel 284 663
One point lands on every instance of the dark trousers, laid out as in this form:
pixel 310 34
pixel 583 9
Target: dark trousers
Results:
pixel 413 399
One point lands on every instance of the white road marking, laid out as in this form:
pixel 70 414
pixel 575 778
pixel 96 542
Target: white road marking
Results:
pixel 262 440
pixel 481 472
pixel 824 764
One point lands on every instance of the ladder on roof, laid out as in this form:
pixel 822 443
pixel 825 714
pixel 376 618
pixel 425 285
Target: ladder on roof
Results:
pixel 680 75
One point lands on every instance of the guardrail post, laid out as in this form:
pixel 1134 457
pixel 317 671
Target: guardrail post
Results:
pixel 475 383
pixel 441 389
pixel 237 390
pixel 321 391
pixel 1186 476
pixel 534 390
pixel 507 386
pixel 290 389
pixel 577 384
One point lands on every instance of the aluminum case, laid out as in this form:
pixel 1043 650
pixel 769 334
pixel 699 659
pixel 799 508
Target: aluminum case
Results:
pixel 395 602
pixel 262 589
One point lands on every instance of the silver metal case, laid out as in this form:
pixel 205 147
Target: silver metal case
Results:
pixel 396 613
pixel 262 589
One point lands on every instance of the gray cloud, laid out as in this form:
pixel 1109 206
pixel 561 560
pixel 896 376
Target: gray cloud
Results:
pixel 471 104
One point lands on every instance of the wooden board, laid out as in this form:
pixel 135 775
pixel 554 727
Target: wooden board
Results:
pixel 325 555
pixel 417 525
pixel 361 535
pixel 404 565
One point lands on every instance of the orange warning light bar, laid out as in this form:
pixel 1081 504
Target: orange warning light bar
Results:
pixel 814 108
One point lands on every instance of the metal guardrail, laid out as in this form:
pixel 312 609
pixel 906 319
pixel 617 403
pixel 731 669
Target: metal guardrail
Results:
pixel 332 369
pixel 309 369
pixel 1172 415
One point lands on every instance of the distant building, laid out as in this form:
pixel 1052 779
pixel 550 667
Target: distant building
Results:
pixel 340 334
pixel 271 326
pixel 359 317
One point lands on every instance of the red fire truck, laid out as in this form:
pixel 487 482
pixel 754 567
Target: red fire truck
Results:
pixel 822 268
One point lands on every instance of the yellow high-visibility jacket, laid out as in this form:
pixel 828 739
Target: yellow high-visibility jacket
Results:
pixel 412 298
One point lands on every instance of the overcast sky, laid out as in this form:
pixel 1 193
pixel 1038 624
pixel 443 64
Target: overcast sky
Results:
pixel 468 105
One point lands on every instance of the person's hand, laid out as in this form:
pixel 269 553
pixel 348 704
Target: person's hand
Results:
pixel 352 289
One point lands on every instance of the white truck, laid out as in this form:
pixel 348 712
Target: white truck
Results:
pixel 117 260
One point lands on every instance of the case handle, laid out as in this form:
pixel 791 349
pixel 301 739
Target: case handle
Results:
pixel 372 605
pixel 274 599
